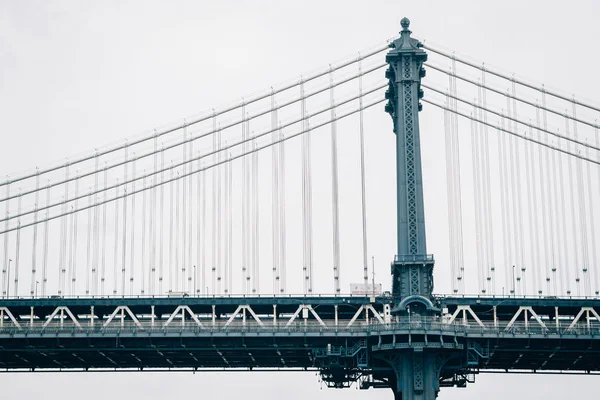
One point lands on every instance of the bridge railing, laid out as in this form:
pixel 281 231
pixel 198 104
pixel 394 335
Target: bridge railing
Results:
pixel 403 325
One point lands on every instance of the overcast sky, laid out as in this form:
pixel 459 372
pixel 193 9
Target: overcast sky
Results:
pixel 76 75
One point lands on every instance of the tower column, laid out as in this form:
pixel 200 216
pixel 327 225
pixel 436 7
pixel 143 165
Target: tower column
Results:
pixel 412 268
pixel 416 376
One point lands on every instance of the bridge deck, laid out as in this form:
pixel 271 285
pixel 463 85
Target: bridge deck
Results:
pixel 292 332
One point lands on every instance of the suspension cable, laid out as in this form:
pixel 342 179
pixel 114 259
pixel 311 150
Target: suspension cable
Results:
pixel 459 113
pixel 214 152
pixel 158 133
pixel 204 168
pixel 514 118
pixel 503 76
pixel 505 94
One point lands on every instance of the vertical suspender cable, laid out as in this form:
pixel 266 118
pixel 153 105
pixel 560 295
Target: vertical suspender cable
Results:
pixel 306 192
pixel 199 222
pixel 530 211
pixel 363 192
pixel 161 221
pixel 582 212
pixel 249 260
pixel 153 242
pixel 275 229
pixel 451 182
pixel 456 180
pixel 6 258
pixel 34 247
pixel 190 217
pixel 103 268
pixel 544 189
pixel 63 236
pixel 309 199
pixel 573 211
pixel 512 160
pixel 477 204
pixel 116 235
pixel 143 264
pixel 177 232
pixel 521 253
pixel 256 224
pixel 594 260
pixel 124 249
pixel 18 246
pixel 74 239
pixel 203 177
pixel 225 224
pixel 538 244
pixel 553 211
pixel 61 266
pixel 219 214
pixel 504 204
pixel 282 240
pixel 133 219
pixel 88 266
pixel 244 257
pixel 491 268
pixel 96 236
pixel 254 219
pixel 71 256
pixel 450 202
pixel 45 255
pixel 214 210
pixel 183 211
pixel 334 191
pixel 171 218
pixel 230 223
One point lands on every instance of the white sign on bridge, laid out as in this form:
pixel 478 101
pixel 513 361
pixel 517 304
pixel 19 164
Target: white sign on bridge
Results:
pixel 365 289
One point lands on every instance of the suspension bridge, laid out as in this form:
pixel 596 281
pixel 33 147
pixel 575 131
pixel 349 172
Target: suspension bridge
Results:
pixel 193 247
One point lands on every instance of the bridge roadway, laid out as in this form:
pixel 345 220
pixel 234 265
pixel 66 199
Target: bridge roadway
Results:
pixel 346 338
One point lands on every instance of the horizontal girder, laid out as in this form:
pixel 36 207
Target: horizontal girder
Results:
pixel 294 332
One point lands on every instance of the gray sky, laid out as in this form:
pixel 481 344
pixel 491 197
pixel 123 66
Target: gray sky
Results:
pixel 77 75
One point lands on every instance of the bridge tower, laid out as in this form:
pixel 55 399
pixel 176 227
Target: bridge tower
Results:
pixel 415 370
pixel 412 268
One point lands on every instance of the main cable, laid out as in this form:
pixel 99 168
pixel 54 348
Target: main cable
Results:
pixel 459 113
pixel 505 94
pixel 513 118
pixel 213 152
pixel 157 134
pixel 234 157
pixel 509 78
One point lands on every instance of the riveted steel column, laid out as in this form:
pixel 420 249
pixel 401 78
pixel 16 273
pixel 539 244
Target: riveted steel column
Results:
pixel 406 60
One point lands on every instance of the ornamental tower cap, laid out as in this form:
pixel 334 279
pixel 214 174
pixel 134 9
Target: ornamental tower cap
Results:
pixel 405 23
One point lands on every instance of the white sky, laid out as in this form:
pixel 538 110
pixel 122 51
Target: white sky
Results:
pixel 77 75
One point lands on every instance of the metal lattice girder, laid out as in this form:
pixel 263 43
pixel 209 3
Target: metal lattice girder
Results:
pixel 242 309
pixel 62 311
pixel 123 310
pixel 308 308
pixel 587 311
pixel 465 310
pixel 182 310
pixel 5 311
pixel 524 310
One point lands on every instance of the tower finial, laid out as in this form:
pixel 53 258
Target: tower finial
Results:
pixel 405 23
